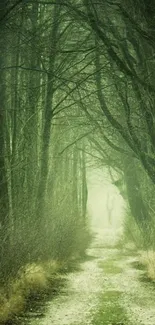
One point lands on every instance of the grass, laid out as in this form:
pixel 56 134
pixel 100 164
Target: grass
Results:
pixel 147 260
pixel 110 311
pixel 33 280
pixel 109 267
pixel 137 265
pixel 146 263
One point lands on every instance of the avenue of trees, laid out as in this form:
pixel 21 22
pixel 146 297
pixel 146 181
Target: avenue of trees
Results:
pixel 43 190
pixel 76 80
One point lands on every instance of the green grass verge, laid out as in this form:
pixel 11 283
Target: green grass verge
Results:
pixel 110 311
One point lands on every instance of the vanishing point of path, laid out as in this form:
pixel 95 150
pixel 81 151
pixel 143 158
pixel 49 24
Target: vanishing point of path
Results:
pixel 107 290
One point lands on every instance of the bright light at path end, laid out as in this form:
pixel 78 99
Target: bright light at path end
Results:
pixel 105 204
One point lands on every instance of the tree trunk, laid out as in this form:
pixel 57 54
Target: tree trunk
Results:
pixel 48 115
pixel 136 203
pixel 4 199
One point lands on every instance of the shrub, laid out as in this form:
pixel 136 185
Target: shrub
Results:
pixel 147 258
pixel 32 279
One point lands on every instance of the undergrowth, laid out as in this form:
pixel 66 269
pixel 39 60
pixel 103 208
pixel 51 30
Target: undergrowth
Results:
pixel 143 243
pixel 31 281
pixel 35 281
pixel 147 259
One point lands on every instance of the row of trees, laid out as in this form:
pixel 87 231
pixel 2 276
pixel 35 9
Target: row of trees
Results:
pixel 124 78
pixel 43 190
pixel 77 78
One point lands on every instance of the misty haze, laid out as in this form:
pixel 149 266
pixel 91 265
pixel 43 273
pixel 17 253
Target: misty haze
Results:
pixel 77 162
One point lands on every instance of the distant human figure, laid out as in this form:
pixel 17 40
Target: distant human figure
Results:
pixel 109 206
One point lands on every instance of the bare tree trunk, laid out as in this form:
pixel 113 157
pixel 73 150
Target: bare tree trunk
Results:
pixel 137 205
pixel 4 199
pixel 48 115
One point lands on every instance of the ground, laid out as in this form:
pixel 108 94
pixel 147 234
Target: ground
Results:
pixel 107 290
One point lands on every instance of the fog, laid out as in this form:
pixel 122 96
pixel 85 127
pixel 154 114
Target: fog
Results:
pixel 105 206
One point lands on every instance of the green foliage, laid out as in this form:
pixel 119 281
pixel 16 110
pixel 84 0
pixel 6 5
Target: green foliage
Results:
pixel 132 232
pixel 51 100
pixel 110 311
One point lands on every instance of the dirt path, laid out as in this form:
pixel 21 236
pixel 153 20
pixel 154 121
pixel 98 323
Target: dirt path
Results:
pixel 106 290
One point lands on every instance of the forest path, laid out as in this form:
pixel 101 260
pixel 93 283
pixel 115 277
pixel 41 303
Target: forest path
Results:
pixel 106 290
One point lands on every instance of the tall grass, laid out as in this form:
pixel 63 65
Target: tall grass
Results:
pixel 132 234
pixel 147 258
pixel 144 241
pixel 36 278
pixel 31 280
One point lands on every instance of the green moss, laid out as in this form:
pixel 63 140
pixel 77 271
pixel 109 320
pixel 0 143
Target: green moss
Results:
pixel 110 267
pixel 110 311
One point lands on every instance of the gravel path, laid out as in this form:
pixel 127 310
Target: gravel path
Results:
pixel 79 301
pixel 138 296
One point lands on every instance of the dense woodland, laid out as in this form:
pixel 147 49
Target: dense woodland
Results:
pixel 76 85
